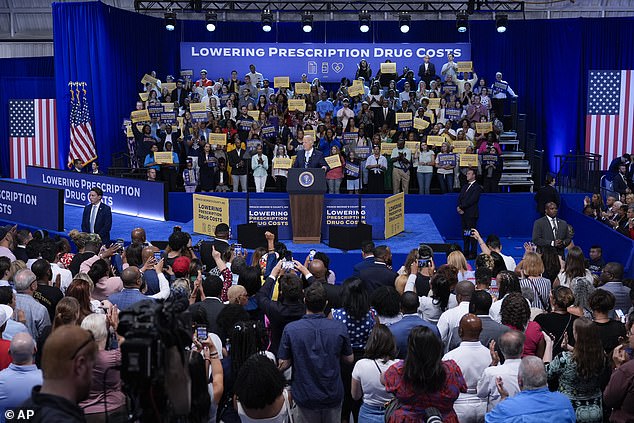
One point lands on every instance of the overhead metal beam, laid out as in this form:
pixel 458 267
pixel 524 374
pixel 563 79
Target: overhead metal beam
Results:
pixel 321 6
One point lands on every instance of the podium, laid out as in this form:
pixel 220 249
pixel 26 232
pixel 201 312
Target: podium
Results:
pixel 306 188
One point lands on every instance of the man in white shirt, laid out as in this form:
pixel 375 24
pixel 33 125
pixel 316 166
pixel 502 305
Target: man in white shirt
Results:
pixel 501 91
pixel 7 238
pixel 511 345
pixel 256 77
pixel 473 358
pixel 345 113
pixel 49 252
pixel 451 318
pixel 450 68
pixel 494 244
pixel 402 159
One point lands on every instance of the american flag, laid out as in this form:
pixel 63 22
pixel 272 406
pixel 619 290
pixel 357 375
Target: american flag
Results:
pixel 82 140
pixel 32 135
pixel 610 118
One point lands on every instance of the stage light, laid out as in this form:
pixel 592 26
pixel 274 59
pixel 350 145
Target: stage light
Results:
pixel 404 19
pixel 211 18
pixel 170 21
pixel 364 21
pixel 462 18
pixel 307 21
pixel 267 20
pixel 501 22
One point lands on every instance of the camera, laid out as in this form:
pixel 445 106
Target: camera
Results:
pixel 468 232
pixel 158 256
pixel 311 254
pixel 120 244
pixel 196 247
pixel 425 254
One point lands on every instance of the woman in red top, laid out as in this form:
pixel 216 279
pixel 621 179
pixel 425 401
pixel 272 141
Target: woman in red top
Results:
pixel 516 313
pixel 334 176
pixel 422 380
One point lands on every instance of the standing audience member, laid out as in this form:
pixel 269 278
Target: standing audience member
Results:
pixel 610 331
pixel 423 380
pixel 611 280
pixel 315 346
pixel 402 329
pixel 17 381
pixel 451 318
pixel 515 314
pixel 559 323
pixel 35 314
pixel 380 354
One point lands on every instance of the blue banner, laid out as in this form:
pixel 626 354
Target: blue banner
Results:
pixel 343 210
pixel 133 197
pixel 326 61
pixel 32 205
pixel 271 212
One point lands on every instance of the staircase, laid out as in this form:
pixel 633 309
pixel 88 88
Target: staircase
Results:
pixel 517 170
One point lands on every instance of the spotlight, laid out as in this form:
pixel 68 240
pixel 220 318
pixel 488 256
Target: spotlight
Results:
pixel 462 18
pixel 501 22
pixel 307 21
pixel 364 21
pixel 211 18
pixel 267 20
pixel 404 20
pixel 170 21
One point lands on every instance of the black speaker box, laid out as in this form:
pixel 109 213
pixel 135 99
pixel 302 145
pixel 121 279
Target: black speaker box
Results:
pixel 349 237
pixel 161 245
pixel 251 236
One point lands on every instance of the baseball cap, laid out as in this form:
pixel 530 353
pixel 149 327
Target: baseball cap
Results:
pixel 181 265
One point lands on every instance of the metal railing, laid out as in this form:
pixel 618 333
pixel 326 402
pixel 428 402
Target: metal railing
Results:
pixel 578 172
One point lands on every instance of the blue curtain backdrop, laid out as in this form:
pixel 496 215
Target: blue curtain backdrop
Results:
pixel 22 78
pixel 545 61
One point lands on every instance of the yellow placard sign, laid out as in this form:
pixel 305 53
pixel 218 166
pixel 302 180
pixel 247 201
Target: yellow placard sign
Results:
pixel 282 163
pixel 297 104
pixel 388 68
pixel 333 161
pixel 218 139
pixel 459 150
pixel 461 144
pixel 394 215
pixel 465 66
pixel 168 107
pixel 387 147
pixel 197 107
pixel 180 121
pixel 302 88
pixel 355 91
pixel 435 140
pixel 255 114
pixel 143 96
pixel 209 212
pixel 434 104
pixel 171 86
pixel 431 116
pixel 282 82
pixel 484 127
pixel 468 160
pixel 310 132
pixel 413 146
pixel 403 116
pixel 147 78
pixel 163 157
pixel 420 123
pixel 128 131
pixel 140 116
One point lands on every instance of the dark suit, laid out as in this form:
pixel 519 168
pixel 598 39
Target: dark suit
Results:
pixel 427 75
pixel 377 275
pixel 619 183
pixel 362 265
pixel 544 195
pixel 468 202
pixel 543 234
pixel 380 118
pixel 235 159
pixel 180 97
pixel 316 159
pixel 211 307
pixel 103 221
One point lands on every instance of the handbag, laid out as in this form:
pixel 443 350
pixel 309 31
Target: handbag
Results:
pixel 392 405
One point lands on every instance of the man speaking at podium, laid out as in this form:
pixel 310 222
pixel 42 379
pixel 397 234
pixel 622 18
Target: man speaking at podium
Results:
pixel 309 157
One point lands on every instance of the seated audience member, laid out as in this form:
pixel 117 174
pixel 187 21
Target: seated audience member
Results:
pixel 423 380
pixel 22 375
pixel 511 345
pixel 473 358
pixel 534 401
pixel 316 386
pixel 67 366
pixel 402 329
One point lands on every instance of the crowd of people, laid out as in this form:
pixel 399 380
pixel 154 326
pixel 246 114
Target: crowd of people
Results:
pixel 272 338
pixel 366 122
